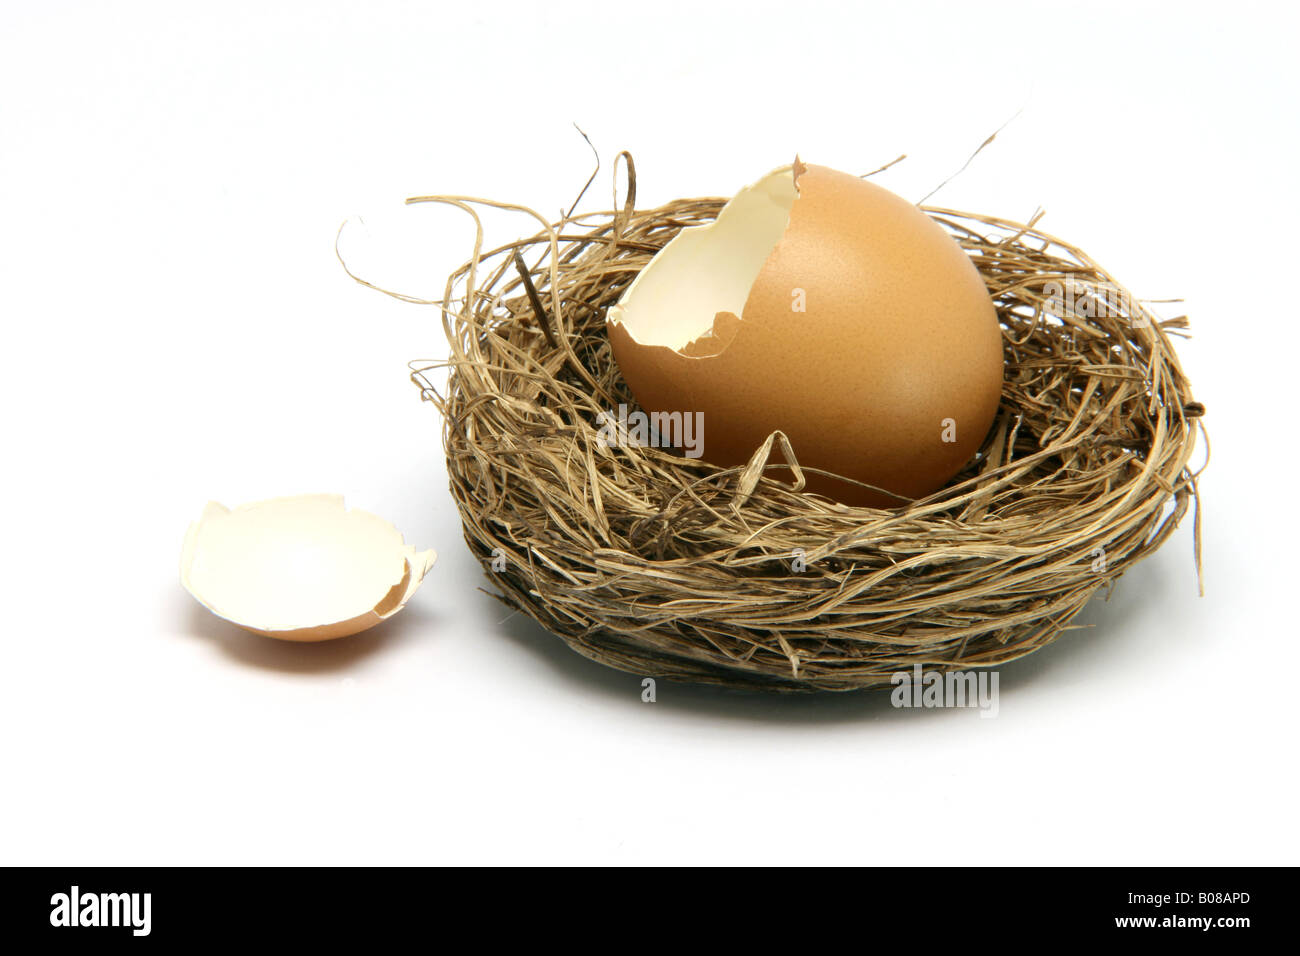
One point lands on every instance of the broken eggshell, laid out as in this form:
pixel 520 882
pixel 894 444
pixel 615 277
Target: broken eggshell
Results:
pixel 300 568
pixel 826 307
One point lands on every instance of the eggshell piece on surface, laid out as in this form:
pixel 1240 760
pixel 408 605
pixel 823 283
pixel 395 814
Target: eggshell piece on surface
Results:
pixel 826 307
pixel 302 568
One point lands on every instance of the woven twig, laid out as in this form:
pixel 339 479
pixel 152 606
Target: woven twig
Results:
pixel 669 567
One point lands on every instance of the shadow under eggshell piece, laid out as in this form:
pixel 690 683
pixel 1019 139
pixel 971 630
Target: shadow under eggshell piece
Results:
pixel 302 568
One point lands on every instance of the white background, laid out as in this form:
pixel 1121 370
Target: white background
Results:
pixel 177 329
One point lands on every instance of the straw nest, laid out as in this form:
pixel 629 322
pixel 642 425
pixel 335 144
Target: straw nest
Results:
pixel 667 567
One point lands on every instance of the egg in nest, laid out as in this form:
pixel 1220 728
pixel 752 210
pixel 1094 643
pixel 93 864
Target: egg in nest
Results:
pixel 828 308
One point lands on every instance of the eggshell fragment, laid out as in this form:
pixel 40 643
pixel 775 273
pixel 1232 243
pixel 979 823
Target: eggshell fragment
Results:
pixel 300 568
pixel 828 308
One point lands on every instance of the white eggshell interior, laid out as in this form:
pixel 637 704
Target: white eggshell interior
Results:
pixel 297 562
pixel 707 269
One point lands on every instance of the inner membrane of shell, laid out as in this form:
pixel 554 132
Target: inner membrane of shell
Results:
pixel 691 296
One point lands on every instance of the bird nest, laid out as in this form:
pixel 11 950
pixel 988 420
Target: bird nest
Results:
pixel 668 567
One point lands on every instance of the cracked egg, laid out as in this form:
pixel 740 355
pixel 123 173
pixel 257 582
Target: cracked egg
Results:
pixel 826 307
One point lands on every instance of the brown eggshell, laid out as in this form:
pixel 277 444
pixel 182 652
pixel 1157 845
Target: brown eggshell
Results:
pixel 899 335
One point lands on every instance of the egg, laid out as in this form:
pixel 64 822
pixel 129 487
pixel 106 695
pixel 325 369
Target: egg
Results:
pixel 828 308
pixel 300 568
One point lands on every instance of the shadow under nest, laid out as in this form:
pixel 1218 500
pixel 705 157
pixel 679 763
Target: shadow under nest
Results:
pixel 668 567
